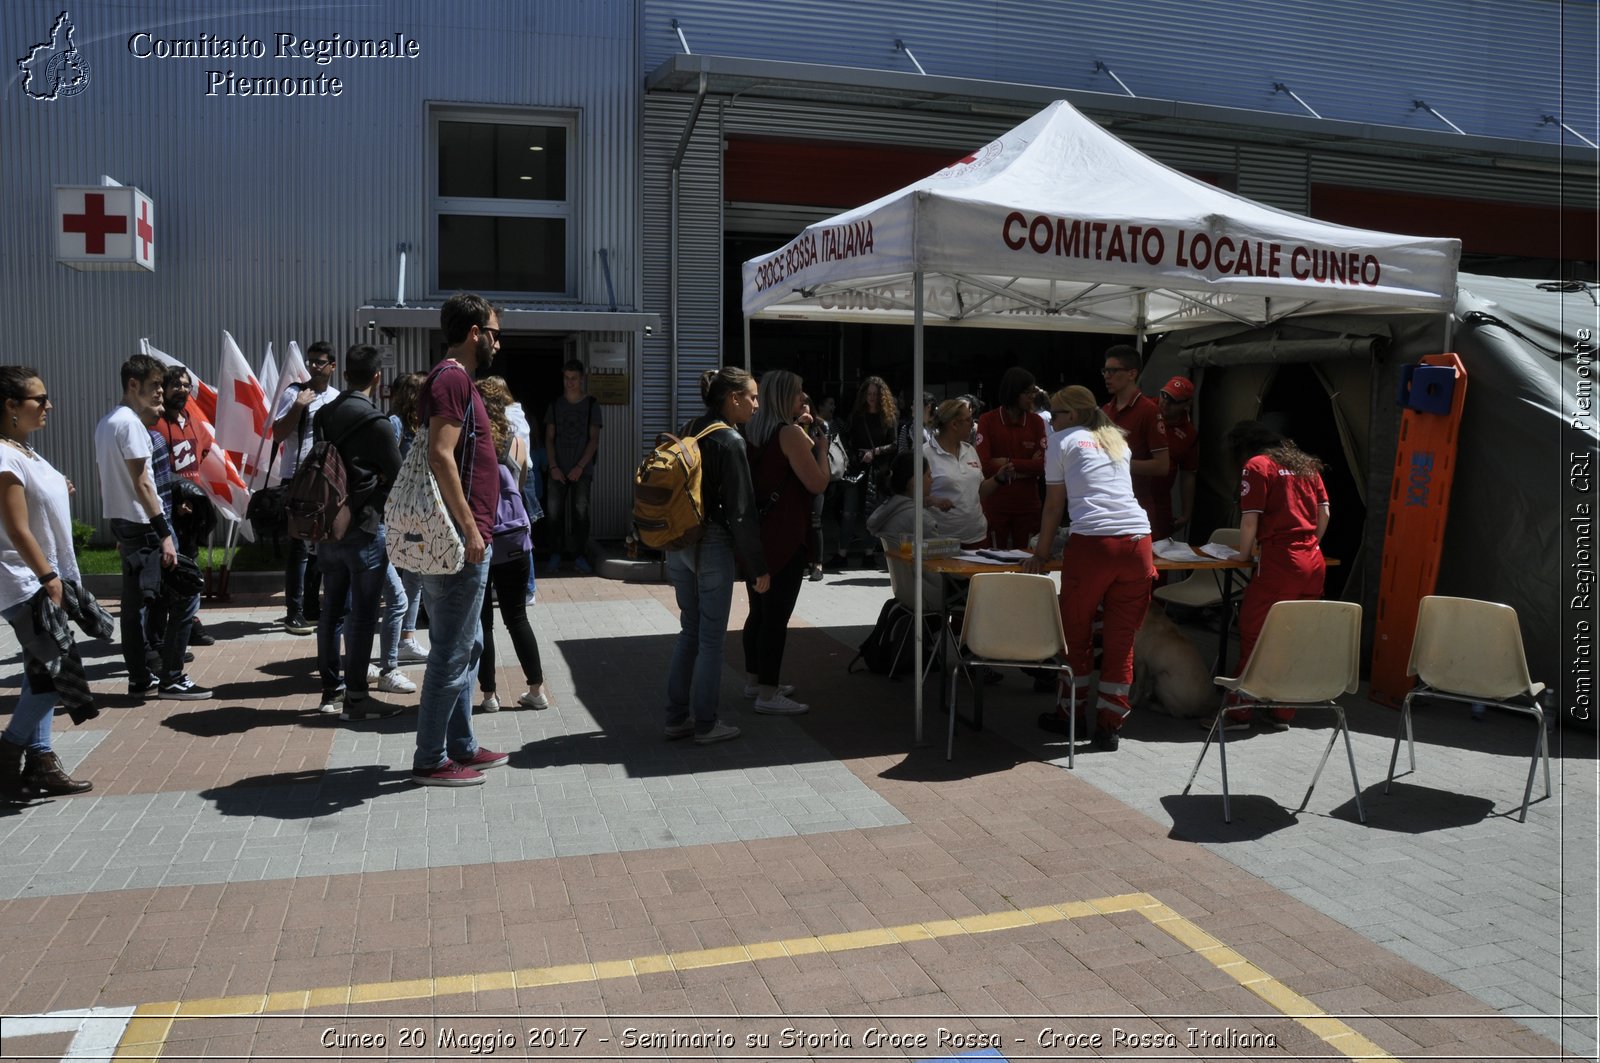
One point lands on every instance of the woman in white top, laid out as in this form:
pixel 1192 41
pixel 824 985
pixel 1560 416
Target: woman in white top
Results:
pixel 35 551
pixel 958 481
pixel 1107 561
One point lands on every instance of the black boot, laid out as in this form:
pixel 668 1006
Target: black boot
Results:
pixel 44 775
pixel 11 770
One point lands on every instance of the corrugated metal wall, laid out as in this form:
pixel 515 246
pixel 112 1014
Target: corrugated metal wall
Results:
pixel 699 260
pixel 1493 67
pixel 277 217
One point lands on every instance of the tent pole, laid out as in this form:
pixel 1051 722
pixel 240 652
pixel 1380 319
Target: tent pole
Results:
pixel 1144 320
pixel 747 343
pixel 1449 331
pixel 917 499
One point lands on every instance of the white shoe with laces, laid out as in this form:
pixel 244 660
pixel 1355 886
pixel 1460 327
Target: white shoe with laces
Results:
pixel 412 652
pixel 781 704
pixel 530 700
pixel 394 681
pixel 753 690
pixel 491 703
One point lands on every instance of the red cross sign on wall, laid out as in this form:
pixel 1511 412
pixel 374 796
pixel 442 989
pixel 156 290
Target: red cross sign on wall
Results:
pixel 105 227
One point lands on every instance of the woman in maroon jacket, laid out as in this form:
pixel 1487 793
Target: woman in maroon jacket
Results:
pixel 1011 446
pixel 789 468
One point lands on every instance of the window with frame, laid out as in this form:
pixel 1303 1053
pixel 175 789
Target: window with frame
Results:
pixel 503 206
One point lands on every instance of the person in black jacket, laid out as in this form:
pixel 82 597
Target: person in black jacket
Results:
pixel 353 568
pixel 702 575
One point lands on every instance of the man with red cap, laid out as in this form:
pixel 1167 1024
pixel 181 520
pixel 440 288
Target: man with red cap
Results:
pixel 1176 399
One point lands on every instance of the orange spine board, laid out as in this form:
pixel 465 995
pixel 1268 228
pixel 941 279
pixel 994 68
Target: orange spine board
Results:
pixel 1419 505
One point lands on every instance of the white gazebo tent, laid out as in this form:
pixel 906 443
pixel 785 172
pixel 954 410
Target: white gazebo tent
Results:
pixel 1060 225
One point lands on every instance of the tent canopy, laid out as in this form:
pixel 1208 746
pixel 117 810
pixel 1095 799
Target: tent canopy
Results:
pixel 1060 225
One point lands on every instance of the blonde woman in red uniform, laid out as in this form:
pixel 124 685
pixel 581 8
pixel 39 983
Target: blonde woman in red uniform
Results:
pixel 1011 447
pixel 1284 508
pixel 1107 561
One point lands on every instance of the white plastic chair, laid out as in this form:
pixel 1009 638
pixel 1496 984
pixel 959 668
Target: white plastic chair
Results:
pixel 1471 651
pixel 1307 656
pixel 1202 589
pixel 1013 621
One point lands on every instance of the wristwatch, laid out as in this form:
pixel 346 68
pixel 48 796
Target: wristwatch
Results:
pixel 48 576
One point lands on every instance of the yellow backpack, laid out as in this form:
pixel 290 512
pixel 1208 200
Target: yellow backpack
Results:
pixel 668 510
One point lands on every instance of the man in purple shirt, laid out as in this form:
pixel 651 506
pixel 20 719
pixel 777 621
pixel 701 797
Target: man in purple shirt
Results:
pixel 462 457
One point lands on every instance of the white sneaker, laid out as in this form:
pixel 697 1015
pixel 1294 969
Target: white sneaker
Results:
pixel 530 700
pixel 394 681
pixel 532 599
pixel 753 690
pixel 332 705
pixel 491 703
pixel 374 673
pixel 411 652
pixel 781 704
pixel 720 732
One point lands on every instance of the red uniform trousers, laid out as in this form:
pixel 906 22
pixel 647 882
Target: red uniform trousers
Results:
pixel 1010 529
pixel 1289 571
pixel 1114 571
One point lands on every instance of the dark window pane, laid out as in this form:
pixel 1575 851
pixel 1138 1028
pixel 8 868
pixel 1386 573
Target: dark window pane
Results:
pixel 493 161
pixel 484 253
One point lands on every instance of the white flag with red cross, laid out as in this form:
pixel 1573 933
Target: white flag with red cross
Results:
pixel 243 417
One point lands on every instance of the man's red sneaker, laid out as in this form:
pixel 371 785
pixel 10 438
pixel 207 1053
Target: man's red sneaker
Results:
pixel 447 774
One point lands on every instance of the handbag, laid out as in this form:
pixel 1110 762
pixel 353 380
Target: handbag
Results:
pixel 421 536
pixel 838 459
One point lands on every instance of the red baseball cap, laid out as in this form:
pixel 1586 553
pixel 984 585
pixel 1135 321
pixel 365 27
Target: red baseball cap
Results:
pixel 1179 389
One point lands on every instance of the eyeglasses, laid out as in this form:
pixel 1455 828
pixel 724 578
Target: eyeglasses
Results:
pixel 42 400
pixel 1110 369
pixel 320 362
pixel 1173 401
pixel 492 333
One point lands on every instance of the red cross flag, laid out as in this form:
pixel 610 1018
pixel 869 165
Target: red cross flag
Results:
pixel 243 416
pixel 105 228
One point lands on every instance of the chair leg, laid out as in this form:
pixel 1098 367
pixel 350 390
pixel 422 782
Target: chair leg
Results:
pixel 1541 745
pixel 1072 721
pixel 950 737
pixel 1350 754
pixel 1340 728
pixel 1401 731
pixel 1217 732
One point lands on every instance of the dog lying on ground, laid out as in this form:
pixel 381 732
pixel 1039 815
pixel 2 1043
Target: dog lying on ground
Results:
pixel 1169 675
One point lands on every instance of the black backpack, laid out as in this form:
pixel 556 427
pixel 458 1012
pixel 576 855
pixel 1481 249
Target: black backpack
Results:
pixel 878 651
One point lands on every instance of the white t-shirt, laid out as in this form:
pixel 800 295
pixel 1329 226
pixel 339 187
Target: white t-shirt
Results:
pixel 289 457
pixel 957 477
pixel 50 520
pixel 518 420
pixel 1099 491
pixel 119 438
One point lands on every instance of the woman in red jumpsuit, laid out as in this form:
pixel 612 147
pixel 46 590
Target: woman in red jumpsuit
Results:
pixel 1283 509
pixel 1011 447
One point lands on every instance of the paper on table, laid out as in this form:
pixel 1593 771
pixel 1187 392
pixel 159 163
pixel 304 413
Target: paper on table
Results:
pixel 976 558
pixel 1172 550
pixel 1009 557
pixel 1220 551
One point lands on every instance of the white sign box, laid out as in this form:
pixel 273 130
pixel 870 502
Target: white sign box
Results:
pixel 105 228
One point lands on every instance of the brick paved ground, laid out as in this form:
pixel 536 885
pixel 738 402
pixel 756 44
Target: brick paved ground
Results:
pixel 250 859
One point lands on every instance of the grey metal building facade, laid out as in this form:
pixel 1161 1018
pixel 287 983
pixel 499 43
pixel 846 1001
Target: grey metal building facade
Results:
pixel 281 217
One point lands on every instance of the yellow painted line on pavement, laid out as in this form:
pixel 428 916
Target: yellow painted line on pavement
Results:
pixel 151 1025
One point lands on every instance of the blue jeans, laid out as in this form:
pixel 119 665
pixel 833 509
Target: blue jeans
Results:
pixel 352 576
pixel 30 720
pixel 702 578
pixel 135 609
pixel 444 716
pixel 395 607
pixel 412 583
